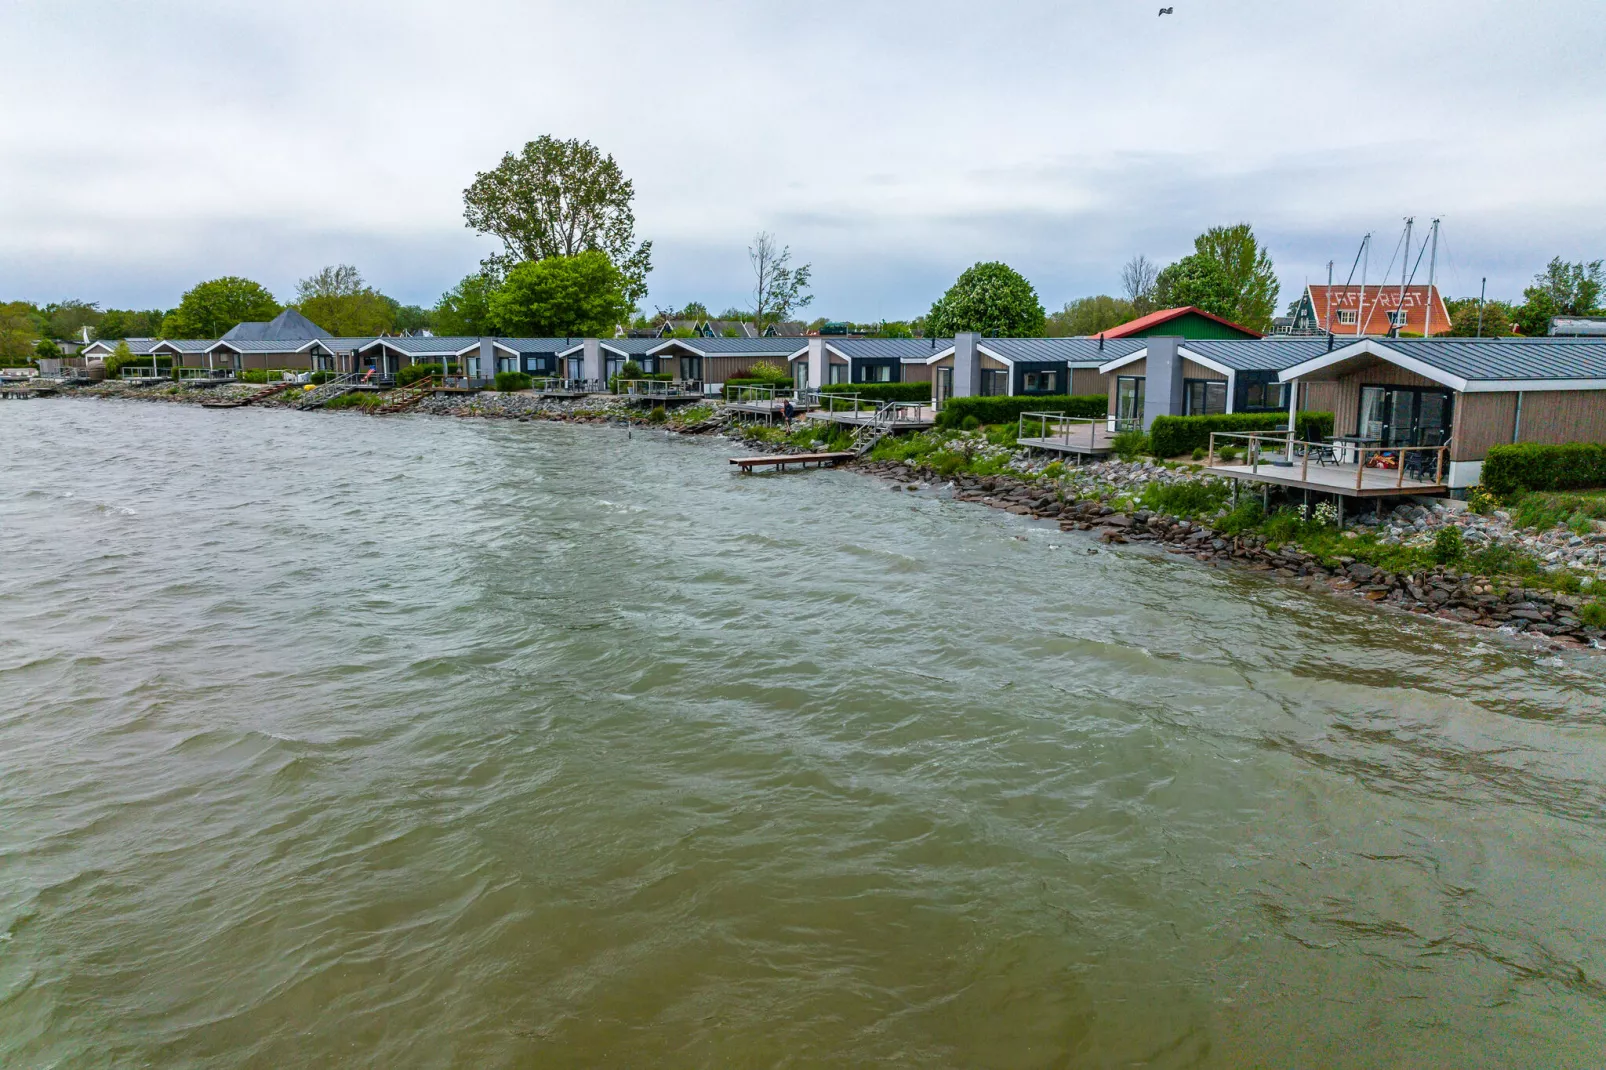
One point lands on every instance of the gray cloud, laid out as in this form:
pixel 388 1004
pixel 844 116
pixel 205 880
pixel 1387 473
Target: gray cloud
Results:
pixel 144 147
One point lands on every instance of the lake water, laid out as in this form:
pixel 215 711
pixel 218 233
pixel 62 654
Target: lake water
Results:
pixel 328 740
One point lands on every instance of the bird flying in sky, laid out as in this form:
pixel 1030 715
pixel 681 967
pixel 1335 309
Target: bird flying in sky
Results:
pixel 1166 10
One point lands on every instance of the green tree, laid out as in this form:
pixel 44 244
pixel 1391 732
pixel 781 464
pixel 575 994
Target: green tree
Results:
pixel 560 198
pixel 465 309
pixel 67 319
pixel 1248 270
pixel 562 296
pixel 46 349
pixel 211 308
pixel 1198 281
pixel 992 298
pixel 1089 315
pixel 1562 289
pixel 777 286
pixel 894 329
pixel 19 333
pixel 1464 318
pixel 410 318
pixel 129 323
pixel 338 300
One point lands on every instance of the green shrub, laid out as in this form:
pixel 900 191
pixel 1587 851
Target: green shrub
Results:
pixel 319 378
pixel 882 391
pixel 1000 410
pixel 765 373
pixel 631 370
pixel 1227 454
pixel 1198 453
pixel 1054 470
pixel 658 415
pixel 1448 546
pixel 1184 499
pixel 1593 614
pixel 1525 466
pixel 1480 501
pixel 414 372
pixel 1130 445
pixel 969 423
pixel 1177 435
pixel 1246 516
pixel 355 400
pixel 261 375
pixel 508 382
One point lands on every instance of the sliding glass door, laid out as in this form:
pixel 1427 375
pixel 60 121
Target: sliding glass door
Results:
pixel 1129 402
pixel 1405 416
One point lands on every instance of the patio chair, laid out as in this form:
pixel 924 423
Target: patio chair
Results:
pixel 1421 465
pixel 1321 452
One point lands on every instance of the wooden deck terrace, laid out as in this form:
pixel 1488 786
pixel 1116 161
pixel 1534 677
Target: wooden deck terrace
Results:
pixel 1330 478
pixel 1098 443
pixel 921 419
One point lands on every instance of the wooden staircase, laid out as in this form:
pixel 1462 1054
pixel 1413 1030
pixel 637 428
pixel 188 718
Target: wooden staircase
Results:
pixel 408 398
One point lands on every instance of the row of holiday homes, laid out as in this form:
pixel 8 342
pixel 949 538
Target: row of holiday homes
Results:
pixel 1468 394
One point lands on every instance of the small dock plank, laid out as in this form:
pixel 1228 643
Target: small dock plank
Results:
pixel 780 461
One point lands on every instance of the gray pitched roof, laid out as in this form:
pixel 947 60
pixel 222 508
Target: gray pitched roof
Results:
pixel 185 345
pixel 1517 358
pixel 737 347
pixel 903 349
pixel 1075 350
pixel 1258 354
pixel 268 345
pixel 287 324
pixel 422 346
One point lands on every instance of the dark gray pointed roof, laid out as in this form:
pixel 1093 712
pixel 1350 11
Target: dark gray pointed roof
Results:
pixel 286 325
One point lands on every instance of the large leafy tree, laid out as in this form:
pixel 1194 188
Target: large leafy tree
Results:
pixel 1198 281
pixel 1247 267
pixel 210 308
pixel 562 296
pixel 777 286
pixel 465 309
pixel 67 319
pixel 130 323
pixel 1562 289
pixel 1089 315
pixel 338 300
pixel 992 298
pixel 19 333
pixel 560 198
pixel 1464 318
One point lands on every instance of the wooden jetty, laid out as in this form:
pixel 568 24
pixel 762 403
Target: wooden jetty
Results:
pixel 779 461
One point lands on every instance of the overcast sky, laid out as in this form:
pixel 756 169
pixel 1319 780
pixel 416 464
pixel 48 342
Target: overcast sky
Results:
pixel 145 146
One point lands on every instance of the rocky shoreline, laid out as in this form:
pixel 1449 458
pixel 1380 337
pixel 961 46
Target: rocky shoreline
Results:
pixel 1081 503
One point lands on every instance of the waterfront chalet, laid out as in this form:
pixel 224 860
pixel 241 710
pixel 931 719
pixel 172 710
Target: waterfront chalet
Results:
pixel 711 361
pixel 1357 311
pixel 1469 394
pixel 826 361
pixel 1208 377
pixel 1022 367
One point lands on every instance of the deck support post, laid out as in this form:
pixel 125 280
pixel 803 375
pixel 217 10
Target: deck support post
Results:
pixel 1340 499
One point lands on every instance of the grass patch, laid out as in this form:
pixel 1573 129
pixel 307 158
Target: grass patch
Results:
pixel 356 400
pixel 1184 499
pixel 1543 510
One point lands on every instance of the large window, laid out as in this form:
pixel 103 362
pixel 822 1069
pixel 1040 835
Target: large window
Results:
pixel 994 383
pixel 1129 401
pixel 876 373
pixel 1405 416
pixel 839 373
pixel 1041 382
pixel 1205 397
pixel 691 369
pixel 1267 397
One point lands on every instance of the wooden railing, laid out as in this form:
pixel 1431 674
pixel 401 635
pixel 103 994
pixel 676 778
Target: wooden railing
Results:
pixel 1291 447
pixel 1062 426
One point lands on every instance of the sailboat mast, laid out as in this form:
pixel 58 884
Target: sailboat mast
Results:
pixel 1405 262
pixel 1433 262
pixel 1366 260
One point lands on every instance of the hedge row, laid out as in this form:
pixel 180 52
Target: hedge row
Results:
pixel 882 391
pixel 1006 410
pixel 508 382
pixel 1172 436
pixel 747 380
pixel 412 373
pixel 1531 466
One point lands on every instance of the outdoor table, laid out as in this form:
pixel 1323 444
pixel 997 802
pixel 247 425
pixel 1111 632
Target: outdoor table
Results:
pixel 1352 445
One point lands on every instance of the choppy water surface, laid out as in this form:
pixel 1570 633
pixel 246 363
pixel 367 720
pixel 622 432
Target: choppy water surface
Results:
pixel 337 741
